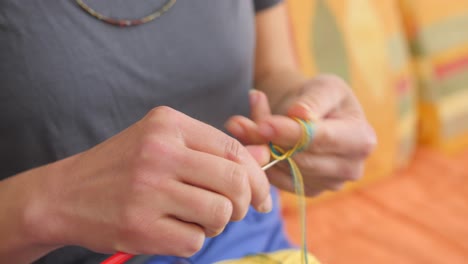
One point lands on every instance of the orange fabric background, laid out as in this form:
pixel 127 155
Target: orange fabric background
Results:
pixel 417 216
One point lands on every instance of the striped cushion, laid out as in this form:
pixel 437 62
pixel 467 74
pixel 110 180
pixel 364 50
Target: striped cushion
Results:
pixel 438 33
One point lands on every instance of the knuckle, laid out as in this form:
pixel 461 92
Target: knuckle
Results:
pixel 161 118
pixel 332 86
pixel 264 192
pixel 306 161
pixel 351 171
pixel 221 213
pixel 308 93
pixel 324 140
pixel 313 102
pixel 331 80
pixel 232 149
pixel 159 112
pixel 153 147
pixel 237 179
pixel 239 192
pixel 260 194
pixel 369 142
pixel 154 154
pixel 325 91
pixel 192 244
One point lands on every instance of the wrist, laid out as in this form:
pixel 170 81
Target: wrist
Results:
pixel 37 214
pixel 31 229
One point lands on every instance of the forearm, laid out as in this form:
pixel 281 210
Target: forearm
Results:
pixel 23 221
pixel 276 71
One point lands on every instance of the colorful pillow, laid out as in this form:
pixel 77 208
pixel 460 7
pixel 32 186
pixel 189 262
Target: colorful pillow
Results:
pixel 438 33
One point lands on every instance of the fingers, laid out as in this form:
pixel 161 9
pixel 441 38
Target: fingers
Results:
pixel 244 130
pixel 173 237
pixel 259 106
pixel 327 172
pixel 238 125
pixel 347 136
pixel 207 209
pixel 219 176
pixel 150 230
pixel 204 138
pixel 342 138
pixel 330 166
pixel 312 186
pixel 280 130
pixel 238 166
pixel 261 153
pixel 326 100
pixel 320 97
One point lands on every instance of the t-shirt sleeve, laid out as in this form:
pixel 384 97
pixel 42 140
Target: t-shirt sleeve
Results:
pixel 263 4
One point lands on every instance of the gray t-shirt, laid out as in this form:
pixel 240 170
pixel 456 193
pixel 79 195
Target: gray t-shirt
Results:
pixel 69 81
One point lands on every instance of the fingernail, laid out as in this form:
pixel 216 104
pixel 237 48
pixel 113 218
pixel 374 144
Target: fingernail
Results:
pixel 235 128
pixel 266 206
pixel 253 97
pixel 310 115
pixel 266 130
pixel 304 105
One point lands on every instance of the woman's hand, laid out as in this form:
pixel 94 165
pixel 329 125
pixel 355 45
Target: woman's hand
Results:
pixel 159 187
pixel 342 140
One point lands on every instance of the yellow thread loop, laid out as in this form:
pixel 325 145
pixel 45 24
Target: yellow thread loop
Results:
pixel 308 129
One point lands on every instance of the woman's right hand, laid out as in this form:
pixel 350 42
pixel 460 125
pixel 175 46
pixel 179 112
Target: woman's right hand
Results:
pixel 159 187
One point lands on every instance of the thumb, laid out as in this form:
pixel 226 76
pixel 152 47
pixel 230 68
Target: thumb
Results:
pixel 303 111
pixel 319 97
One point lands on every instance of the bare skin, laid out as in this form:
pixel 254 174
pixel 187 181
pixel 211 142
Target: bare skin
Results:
pixel 344 138
pixel 143 191
pixel 341 143
pixel 152 182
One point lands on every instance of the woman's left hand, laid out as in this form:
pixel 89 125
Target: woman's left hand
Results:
pixel 342 140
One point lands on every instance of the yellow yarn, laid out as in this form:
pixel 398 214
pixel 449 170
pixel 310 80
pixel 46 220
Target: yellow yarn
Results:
pixel 289 256
pixel 292 256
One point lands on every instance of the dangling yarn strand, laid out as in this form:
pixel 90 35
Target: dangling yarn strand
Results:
pixel 279 154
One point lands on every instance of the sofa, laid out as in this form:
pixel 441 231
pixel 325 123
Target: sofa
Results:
pixel 407 61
